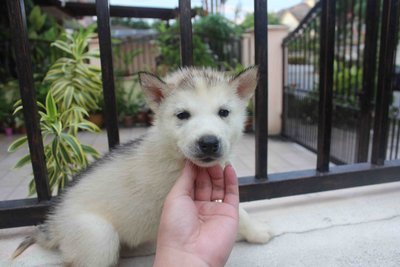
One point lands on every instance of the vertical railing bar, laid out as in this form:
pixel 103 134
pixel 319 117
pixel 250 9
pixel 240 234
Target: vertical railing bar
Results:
pixel 186 33
pixel 291 89
pixel 344 46
pixel 303 40
pixel 315 61
pixel 397 138
pixel 261 105
pixel 306 76
pixel 388 42
pixel 309 56
pixel 393 126
pixel 297 84
pixel 337 51
pixel 350 89
pixel 107 71
pixel 16 12
pixel 284 77
pixel 368 79
pixel 359 58
pixel 327 41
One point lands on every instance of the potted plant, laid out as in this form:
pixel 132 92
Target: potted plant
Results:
pixel 96 116
pixel 74 89
pixel 65 155
pixel 19 124
pixel 130 109
pixel 141 116
pixel 6 118
pixel 72 80
pixel 8 125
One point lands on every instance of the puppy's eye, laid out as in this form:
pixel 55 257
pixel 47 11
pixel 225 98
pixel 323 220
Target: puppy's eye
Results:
pixel 223 113
pixel 183 115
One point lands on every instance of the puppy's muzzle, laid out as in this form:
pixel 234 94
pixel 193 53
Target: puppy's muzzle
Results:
pixel 209 147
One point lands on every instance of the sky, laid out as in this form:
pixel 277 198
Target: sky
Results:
pixel 230 6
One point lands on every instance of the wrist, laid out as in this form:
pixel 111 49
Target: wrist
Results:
pixel 171 257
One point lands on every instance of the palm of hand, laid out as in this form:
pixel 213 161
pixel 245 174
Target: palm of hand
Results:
pixel 199 226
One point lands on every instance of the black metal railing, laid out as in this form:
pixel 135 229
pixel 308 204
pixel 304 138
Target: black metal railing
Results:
pixel 303 50
pixel 321 36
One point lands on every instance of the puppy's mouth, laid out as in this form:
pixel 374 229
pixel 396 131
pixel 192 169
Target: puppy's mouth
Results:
pixel 206 161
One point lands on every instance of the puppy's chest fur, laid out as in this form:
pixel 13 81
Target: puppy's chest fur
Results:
pixel 127 188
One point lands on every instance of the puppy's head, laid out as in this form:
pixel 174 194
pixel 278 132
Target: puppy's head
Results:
pixel 200 111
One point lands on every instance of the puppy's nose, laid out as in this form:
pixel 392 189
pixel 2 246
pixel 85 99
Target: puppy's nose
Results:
pixel 209 144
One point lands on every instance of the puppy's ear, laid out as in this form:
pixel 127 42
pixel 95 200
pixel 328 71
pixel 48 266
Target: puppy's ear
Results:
pixel 153 88
pixel 245 82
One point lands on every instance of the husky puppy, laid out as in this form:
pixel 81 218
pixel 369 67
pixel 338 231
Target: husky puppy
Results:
pixel 116 203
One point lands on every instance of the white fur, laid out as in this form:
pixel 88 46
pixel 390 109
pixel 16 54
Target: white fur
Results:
pixel 119 201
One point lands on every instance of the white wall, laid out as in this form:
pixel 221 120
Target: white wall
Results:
pixel 276 33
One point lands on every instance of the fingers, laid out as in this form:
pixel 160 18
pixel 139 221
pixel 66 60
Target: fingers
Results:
pixel 204 186
pixel 185 182
pixel 207 184
pixel 218 184
pixel 231 186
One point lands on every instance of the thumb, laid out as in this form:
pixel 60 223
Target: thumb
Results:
pixel 184 185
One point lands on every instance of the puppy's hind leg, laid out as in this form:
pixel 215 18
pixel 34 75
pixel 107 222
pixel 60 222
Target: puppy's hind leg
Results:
pixel 89 240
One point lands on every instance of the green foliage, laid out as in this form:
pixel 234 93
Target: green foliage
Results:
pixel 219 33
pixel 215 27
pixel 42 30
pixel 73 81
pixel 129 97
pixel 169 44
pixel 74 89
pixel 9 93
pixel 248 21
pixel 36 19
pixel 65 155
pixel 348 81
pixel 124 56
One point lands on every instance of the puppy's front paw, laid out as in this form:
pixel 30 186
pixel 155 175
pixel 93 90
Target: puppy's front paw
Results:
pixel 258 233
pixel 252 231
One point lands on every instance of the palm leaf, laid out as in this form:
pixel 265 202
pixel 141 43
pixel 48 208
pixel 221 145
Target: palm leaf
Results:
pixel 17 144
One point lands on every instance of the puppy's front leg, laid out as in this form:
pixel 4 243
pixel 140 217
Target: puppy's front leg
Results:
pixel 252 231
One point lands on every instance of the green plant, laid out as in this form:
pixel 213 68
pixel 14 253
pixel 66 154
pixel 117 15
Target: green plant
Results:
pixel 73 81
pixel 348 81
pixel 8 95
pixel 126 57
pixel 65 155
pixel 42 31
pixel 134 101
pixel 168 43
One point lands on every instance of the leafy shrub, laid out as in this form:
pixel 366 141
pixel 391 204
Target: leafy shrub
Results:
pixel 65 155
pixel 169 45
pixel 73 81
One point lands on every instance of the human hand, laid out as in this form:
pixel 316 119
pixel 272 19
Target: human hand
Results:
pixel 195 230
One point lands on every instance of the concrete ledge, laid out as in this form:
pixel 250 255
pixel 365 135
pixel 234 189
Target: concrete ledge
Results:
pixel 349 227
